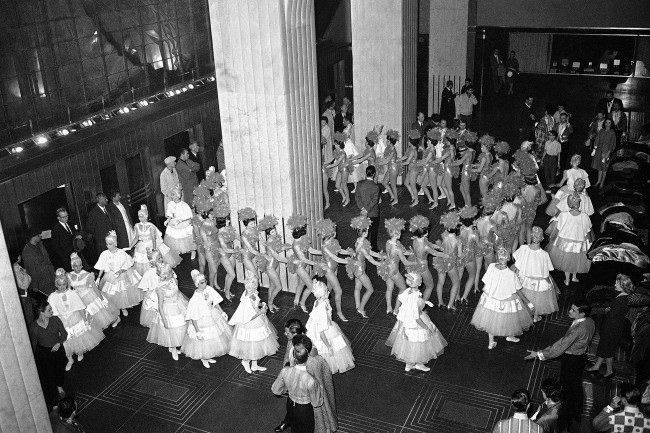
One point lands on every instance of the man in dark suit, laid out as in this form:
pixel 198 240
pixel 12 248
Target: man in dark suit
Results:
pixel 447 106
pixel 606 104
pixel 62 240
pixel 526 120
pixel 497 71
pixel 419 124
pixel 99 222
pixel 367 197
pixel 187 170
pixel 121 216
pixel 197 156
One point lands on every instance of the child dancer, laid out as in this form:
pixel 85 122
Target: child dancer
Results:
pixel 448 266
pixel 147 236
pixel 209 334
pixel 68 306
pixel 254 337
pixel 415 340
pixel 100 313
pixel 388 270
pixel 170 327
pixel 326 334
pixel 419 225
pixel 179 235
pixel 533 266
pixel 502 310
pixel 148 284
pixel 118 279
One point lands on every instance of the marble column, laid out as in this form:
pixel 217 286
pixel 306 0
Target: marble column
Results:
pixel 22 406
pixel 447 47
pixel 265 62
pixel 384 62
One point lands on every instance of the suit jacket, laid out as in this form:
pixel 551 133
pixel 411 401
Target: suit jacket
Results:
pixel 601 106
pixel 98 225
pixel 575 342
pixel 621 126
pixel 198 158
pixel 524 121
pixel 496 66
pixel 39 267
pixel 118 222
pixel 564 137
pixel 548 417
pixel 367 197
pixel 447 106
pixel 187 176
pixel 62 246
pixel 422 128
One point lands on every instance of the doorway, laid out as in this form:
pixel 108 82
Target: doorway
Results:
pixel 177 142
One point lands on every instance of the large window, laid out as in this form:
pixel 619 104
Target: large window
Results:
pixel 61 60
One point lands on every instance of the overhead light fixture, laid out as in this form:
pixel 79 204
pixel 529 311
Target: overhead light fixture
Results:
pixel 211 78
pixel 41 140
pixel 177 91
pixel 86 123
pixel 63 132
pixel 17 149
pixel 169 93
pixel 143 103
pixel 124 110
pixel 190 86
pixel 184 89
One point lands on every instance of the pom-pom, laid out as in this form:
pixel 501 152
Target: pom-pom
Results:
pixel 325 227
pixel 470 137
pixel 339 137
pixel 492 201
pixel 275 243
pixel 450 220
pixel 228 233
pixel 394 224
pixel 392 134
pixel 361 222
pixel 414 134
pixel 268 222
pixel 373 137
pixel 524 161
pixel 246 214
pixel 434 134
pixel 502 148
pixel 416 268
pixel 296 221
pixel 487 141
pixel 418 222
pixel 468 212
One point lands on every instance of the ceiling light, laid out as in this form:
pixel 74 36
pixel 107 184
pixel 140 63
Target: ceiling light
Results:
pixel 177 92
pixel 41 140
pixel 143 103
pixel 86 123
pixel 17 149
pixel 63 132
pixel 190 86
pixel 124 110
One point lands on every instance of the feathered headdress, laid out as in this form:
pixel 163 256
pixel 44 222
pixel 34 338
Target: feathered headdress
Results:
pixel 502 148
pixel 268 222
pixel 418 222
pixel 394 224
pixel 525 163
pixel 221 210
pixel 509 189
pixel 296 221
pixel 414 134
pixel 392 134
pixel 228 233
pixel 468 212
pixel 373 137
pixel 339 137
pixel 361 222
pixel 470 137
pixel 492 201
pixel 197 276
pixel 450 220
pixel 112 236
pixel 487 141
pixel 325 227
pixel 246 214
pixel 434 134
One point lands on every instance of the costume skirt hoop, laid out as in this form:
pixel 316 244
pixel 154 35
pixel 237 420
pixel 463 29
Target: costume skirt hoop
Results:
pixel 570 256
pixel 122 291
pixel 174 312
pixel 506 318
pixel 416 345
pixel 254 340
pixel 81 336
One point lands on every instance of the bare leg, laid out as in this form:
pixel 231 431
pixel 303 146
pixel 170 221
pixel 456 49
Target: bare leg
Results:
pixel 433 183
pixel 393 184
pixel 455 286
pixel 229 265
pixel 442 276
pixel 212 267
pixel 326 194
pixel 250 267
pixel 471 273
pixel 365 281
pixel 202 260
pixel 389 295
pixel 304 278
pixel 338 293
pixel 477 275
pixel 448 190
pixel 275 288
pixel 429 285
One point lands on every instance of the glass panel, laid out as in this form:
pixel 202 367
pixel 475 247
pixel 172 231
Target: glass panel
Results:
pixel 12 89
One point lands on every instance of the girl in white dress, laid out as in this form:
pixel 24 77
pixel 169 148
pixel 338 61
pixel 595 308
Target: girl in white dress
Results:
pixel 570 176
pixel 148 237
pixel 101 313
pixel 148 284
pixel 179 235
pixel 118 279
pixel 502 310
pixel 170 327
pixel 68 306
pixel 533 266
pixel 254 337
pixel 326 335
pixel 415 340
pixel 568 249
pixel 208 334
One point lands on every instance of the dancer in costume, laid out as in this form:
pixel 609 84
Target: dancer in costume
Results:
pixel 531 198
pixel 484 165
pixel 250 237
pixel 419 226
pixel 471 249
pixel 502 311
pixel 327 157
pixel 509 218
pixel 569 177
pixel 179 235
pixel 586 205
pixel 445 155
pixel 568 249
pixel 148 284
pixel 208 333
pixel 100 313
pixel 170 327
pixel 431 169
pixel 341 164
pixel 326 335
pixel 533 266
pixel 466 175
pixel 449 266
pixel 118 279
pixel 254 337
pixel 368 156
pixel 226 240
pixel 391 159
pixel 148 237
pixel 410 161
pixel 501 167
pixel 414 340
pixel 388 270
pixel 297 264
pixel 67 305
pixel 207 236
pixel 273 257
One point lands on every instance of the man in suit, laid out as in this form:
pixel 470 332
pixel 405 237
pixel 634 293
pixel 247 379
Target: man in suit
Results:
pixel 497 71
pixel 62 240
pixel 525 120
pixel 606 104
pixel 447 106
pixel 572 350
pixel 37 263
pixel 197 156
pixel 99 222
pixel 564 130
pixel 549 415
pixel 367 197
pixel 520 423
pixel 169 180
pixel 187 170
pixel 419 124
pixel 121 216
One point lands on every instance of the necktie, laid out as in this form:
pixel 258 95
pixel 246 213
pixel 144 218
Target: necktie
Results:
pixel 68 228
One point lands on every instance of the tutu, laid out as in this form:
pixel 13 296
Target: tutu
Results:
pixel 174 306
pixel 149 309
pixel 506 318
pixel 122 291
pixel 570 256
pixel 339 354
pixel 254 340
pixel 102 313
pixel 180 245
pixel 81 336
pixel 541 293
pixel 216 335
pixel 416 345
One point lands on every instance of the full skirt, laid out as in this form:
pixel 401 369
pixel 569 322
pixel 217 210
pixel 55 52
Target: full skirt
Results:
pixel 506 318
pixel 149 309
pixel 541 293
pixel 102 313
pixel 175 314
pixel 122 291
pixel 215 338
pixel 570 256
pixel 416 345
pixel 339 352
pixel 254 340
pixel 81 336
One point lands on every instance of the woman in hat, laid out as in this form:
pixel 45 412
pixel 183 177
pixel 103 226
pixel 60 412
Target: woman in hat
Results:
pixel 148 237
pixel 179 235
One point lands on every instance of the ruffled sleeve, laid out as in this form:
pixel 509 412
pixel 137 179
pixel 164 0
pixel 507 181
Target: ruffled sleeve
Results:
pixel 103 263
pixel 194 307
pixel 319 319
pixel 245 311
pixel 126 261
pixel 213 296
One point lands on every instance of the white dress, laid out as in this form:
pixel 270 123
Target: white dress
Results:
pixel 69 307
pixel 121 290
pixel 534 268
pixel 101 312
pixel 252 339
pixel 572 175
pixel 179 235
pixel 352 152
pixel 213 336
pixel 339 352
pixel 568 250
pixel 174 305
pixel 146 232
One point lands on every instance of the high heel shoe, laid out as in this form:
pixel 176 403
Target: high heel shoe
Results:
pixel 342 317
pixel 433 206
pixel 303 307
pixel 362 313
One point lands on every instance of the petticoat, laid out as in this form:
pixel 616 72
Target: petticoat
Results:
pixel 149 309
pixel 175 314
pixel 122 291
pixel 216 338
pixel 254 340
pixel 141 261
pixel 179 245
pixel 81 336
pixel 541 292
pixel 570 256
pixel 339 354
pixel 102 312
pixel 416 345
pixel 506 318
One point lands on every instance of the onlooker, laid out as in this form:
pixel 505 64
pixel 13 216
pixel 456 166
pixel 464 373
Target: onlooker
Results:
pixel 549 415
pixel 169 180
pixel 99 223
pixel 519 422
pixel 604 145
pixel 619 119
pixel 564 130
pixel 62 240
pixel 497 71
pixel 37 263
pixel 465 106
pixel 447 106
pixel 197 156
pixel 64 418
pixel 121 216
pixel 23 281
pixel 606 104
pixel 512 70
pixel 187 170
pixel 367 197
pixel 551 159
pixel 468 82
pixel 419 124
pixel 623 413
pixel 525 120
pixel 47 335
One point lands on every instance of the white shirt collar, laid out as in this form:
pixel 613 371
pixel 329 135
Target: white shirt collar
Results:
pixel 576 321
pixel 302 367
pixel 520 415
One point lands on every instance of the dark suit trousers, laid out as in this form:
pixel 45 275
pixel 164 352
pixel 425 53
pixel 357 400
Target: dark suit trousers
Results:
pixel 301 417
pixel 571 367
pixel 550 169
pixel 373 231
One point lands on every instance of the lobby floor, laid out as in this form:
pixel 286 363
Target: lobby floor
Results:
pixel 129 385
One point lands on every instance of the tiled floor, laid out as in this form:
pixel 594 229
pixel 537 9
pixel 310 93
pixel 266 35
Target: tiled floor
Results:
pixel 129 385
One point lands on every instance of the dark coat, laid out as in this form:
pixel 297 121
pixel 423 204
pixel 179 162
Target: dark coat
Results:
pixel 187 176
pixel 118 223
pixel 98 225
pixel 38 265
pixel 447 105
pixel 62 246
pixel 199 158
pixel 601 106
pixel 367 197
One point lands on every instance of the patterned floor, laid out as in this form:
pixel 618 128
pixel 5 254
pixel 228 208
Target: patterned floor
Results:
pixel 129 385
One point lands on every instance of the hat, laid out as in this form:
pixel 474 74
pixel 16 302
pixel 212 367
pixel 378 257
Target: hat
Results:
pixel 418 222
pixel 60 276
pixel 111 236
pixel 413 279
pixel 536 233
pixel 372 136
pixel 197 276
pixel 319 289
pixel 143 211
pixel 170 159
pixel 74 258
pixel 361 222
